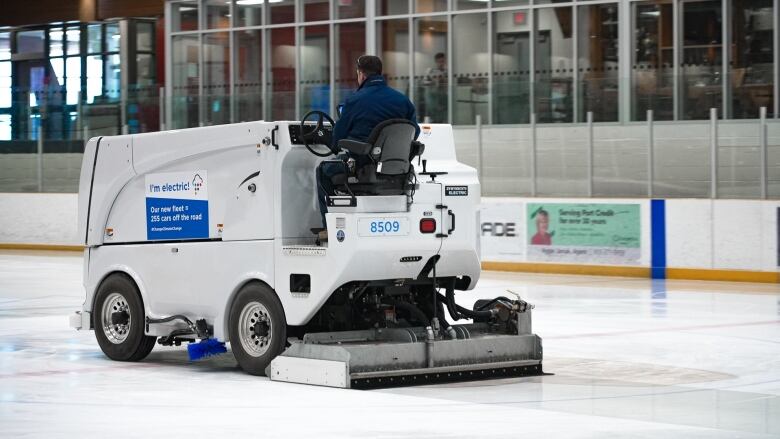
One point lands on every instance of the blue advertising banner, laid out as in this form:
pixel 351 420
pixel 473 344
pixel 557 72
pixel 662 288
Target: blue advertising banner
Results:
pixel 177 206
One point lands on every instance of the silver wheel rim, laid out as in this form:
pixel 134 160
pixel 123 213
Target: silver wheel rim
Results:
pixel 253 343
pixel 116 333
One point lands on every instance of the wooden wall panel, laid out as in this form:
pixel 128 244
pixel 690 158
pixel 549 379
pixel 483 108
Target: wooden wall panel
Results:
pixel 135 8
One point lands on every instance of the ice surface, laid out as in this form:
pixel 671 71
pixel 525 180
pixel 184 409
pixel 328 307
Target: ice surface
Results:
pixel 631 358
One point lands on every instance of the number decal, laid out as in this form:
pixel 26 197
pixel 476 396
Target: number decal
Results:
pixel 396 226
pixel 373 226
pixel 383 226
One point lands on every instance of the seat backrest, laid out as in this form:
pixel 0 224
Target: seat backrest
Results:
pixel 391 143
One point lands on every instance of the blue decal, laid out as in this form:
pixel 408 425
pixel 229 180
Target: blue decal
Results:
pixel 340 235
pixel 168 218
pixel 658 239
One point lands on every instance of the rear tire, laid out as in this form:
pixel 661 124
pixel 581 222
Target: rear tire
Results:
pixel 257 328
pixel 118 318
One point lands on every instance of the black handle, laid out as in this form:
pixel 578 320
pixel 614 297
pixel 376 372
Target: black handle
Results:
pixel 452 214
pixel 273 137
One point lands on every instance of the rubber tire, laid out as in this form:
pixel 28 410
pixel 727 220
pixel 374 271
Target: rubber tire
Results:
pixel 257 292
pixel 137 345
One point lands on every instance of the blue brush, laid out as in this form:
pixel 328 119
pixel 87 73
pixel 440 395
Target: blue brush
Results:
pixel 205 348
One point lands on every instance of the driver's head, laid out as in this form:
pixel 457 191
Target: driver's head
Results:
pixel 368 65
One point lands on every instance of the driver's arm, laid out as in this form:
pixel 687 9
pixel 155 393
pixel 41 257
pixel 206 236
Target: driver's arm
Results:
pixel 343 125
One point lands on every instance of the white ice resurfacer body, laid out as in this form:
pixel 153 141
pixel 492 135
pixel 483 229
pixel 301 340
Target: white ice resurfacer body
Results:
pixel 207 234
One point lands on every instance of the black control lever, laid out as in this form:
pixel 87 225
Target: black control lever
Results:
pixel 433 174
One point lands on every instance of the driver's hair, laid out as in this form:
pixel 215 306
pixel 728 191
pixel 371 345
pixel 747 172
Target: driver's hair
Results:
pixel 369 65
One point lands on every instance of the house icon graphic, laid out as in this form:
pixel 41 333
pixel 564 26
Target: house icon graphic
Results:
pixel 197 183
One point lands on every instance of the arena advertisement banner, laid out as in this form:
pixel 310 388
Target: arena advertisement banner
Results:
pixel 502 230
pixel 583 233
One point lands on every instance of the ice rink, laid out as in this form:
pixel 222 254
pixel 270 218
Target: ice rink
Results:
pixel 629 358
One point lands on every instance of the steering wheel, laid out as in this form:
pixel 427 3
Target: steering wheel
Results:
pixel 317 135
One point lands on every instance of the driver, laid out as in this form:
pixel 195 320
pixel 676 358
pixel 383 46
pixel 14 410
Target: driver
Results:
pixel 372 103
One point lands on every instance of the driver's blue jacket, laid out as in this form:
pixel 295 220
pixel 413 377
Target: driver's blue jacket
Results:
pixel 373 102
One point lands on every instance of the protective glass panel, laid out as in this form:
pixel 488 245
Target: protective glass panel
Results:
pixel 5 84
pixel 471 4
pixel 5 46
pixel 652 71
pixel 249 75
pixel 315 70
pixel 145 70
pixel 281 76
pixel 350 44
pixel 511 67
pixel 430 6
pixel 30 41
pixel 391 7
pixel 282 12
pixel 430 69
pixel 73 81
pixel 752 58
pixel 250 12
pixel 217 14
pixel 350 8
pixel 392 39
pixel 94 38
pixel 55 42
pixel 184 15
pixel 701 65
pixel 554 65
pixel 144 36
pixel 113 77
pixel 505 3
pixel 216 78
pixel 94 78
pixel 597 66
pixel 470 62
pixel 112 37
pixel 316 10
pixel 73 40
pixel 184 96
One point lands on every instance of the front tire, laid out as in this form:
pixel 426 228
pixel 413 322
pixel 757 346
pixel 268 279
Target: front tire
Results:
pixel 118 319
pixel 257 328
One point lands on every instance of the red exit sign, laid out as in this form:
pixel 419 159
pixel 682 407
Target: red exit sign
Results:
pixel 520 17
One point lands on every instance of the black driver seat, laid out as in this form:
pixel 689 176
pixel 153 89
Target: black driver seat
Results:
pixel 389 148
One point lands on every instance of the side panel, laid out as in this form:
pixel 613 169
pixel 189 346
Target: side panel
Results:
pixel 85 185
pixel 198 279
pixel 113 169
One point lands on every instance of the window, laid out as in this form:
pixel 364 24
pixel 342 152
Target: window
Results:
pixel 315 69
pixel 470 62
pixel 554 65
pixel 217 14
pixel 216 78
pixel 751 58
pixel 250 13
pixel 350 8
pixel 652 71
pixel 184 78
pixel 282 12
pixel 249 75
pixel 392 39
pixel 511 67
pixel 350 44
pixel 185 15
pixel 431 72
pixel 281 77
pixel 316 10
pixel 597 64
pixel 391 7
pixel 701 67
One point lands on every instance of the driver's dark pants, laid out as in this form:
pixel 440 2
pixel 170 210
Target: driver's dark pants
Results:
pixel 325 173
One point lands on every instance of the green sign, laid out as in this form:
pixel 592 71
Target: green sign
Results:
pixel 584 225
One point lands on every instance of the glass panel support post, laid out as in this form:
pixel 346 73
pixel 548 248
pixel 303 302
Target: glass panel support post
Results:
pixel 533 154
pixel 480 155
pixel 589 118
pixel 713 153
pixel 763 153
pixel 39 157
pixel 650 158
pixel 79 112
pixel 163 108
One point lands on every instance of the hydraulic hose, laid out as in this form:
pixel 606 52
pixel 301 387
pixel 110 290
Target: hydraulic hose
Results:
pixel 414 312
pixel 477 316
